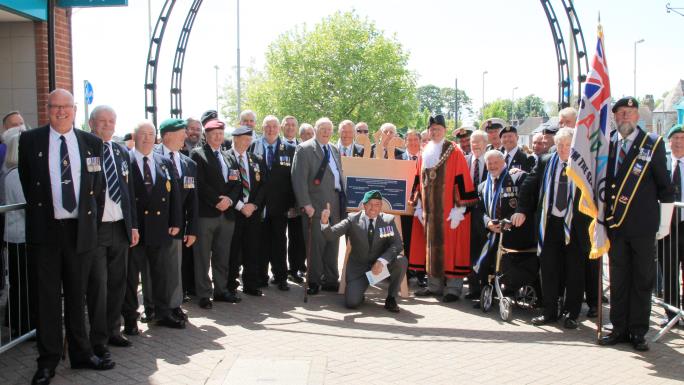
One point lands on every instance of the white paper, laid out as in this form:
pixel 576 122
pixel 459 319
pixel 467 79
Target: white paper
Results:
pixel 374 279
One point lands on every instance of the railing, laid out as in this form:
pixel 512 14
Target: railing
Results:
pixel 16 302
pixel 668 288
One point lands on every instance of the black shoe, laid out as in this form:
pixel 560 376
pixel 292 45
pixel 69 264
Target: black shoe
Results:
pixel 424 292
pixel 131 328
pixel 171 322
pixel 542 320
pixel 228 296
pixel 613 338
pixel 102 352
pixel 570 323
pixel 205 303
pixel 119 341
pixel 472 296
pixel 294 277
pixel 42 376
pixel 186 298
pixel 333 287
pixel 94 362
pixel 253 292
pixel 283 286
pixel 422 281
pixel 639 343
pixel 147 317
pixel 313 289
pixel 391 305
pixel 592 312
pixel 179 313
pixel 450 298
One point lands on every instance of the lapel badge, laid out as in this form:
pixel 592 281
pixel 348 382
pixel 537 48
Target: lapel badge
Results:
pixel 168 185
pixel 40 154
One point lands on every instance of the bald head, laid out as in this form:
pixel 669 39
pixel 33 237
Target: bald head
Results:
pixel 61 110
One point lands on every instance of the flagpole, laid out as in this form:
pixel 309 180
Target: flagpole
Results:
pixel 599 321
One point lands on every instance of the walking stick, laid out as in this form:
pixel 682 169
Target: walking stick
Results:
pixel 599 321
pixel 308 261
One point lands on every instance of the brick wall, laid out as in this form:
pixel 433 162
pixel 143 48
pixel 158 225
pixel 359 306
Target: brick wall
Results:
pixel 63 57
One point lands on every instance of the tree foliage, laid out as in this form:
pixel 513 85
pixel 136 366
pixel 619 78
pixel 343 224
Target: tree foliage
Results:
pixel 522 109
pixel 345 68
pixel 441 100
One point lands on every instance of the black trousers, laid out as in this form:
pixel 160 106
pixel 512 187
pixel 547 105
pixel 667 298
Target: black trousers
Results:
pixel 188 270
pixel 246 251
pixel 670 254
pixel 296 253
pixel 275 247
pixel 160 284
pixel 591 281
pixel 632 275
pixel 20 316
pixel 107 282
pixel 59 266
pixel 561 266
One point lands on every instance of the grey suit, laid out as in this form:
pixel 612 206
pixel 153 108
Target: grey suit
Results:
pixel 307 161
pixel 386 245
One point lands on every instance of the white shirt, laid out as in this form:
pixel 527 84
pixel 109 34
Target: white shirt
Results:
pixel 346 150
pixel 112 210
pixel 176 159
pixel 554 211
pixel 245 164
pixel 510 155
pixel 407 156
pixel 150 161
pixel 332 163
pixel 678 163
pixel 480 167
pixel 56 171
pixel 222 162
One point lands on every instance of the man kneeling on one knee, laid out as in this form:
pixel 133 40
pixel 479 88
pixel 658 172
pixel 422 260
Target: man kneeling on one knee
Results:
pixel 375 243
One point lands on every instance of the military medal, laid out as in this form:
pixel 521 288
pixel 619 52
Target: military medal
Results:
pixel 432 174
pixel 92 164
pixel 168 185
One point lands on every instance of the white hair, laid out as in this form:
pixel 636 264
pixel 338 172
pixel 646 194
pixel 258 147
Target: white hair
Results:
pixel 344 123
pixel 492 153
pixel 270 118
pixel 537 135
pixel 479 134
pixel 99 109
pixel 388 126
pixel 303 127
pixel 142 123
pixel 244 114
pixel 321 122
pixel 565 133
pixel 568 112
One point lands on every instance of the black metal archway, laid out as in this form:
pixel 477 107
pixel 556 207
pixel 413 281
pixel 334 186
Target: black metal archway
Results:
pixel 564 81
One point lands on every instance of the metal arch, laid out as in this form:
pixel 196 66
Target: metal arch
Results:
pixel 580 47
pixel 179 59
pixel 561 54
pixel 153 61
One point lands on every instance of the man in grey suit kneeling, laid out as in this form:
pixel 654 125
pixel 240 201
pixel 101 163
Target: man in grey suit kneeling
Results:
pixel 375 243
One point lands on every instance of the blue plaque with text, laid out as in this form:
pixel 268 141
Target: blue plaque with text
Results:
pixel 392 190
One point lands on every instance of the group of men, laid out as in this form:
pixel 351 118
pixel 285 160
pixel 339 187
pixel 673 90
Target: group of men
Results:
pixel 101 218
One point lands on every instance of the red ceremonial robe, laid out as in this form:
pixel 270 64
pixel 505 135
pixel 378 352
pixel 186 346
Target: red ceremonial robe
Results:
pixel 440 250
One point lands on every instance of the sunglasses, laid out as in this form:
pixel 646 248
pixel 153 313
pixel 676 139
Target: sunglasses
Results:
pixel 361 131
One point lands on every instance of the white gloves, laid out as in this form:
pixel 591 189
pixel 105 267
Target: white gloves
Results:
pixel 418 212
pixel 456 216
pixel 666 210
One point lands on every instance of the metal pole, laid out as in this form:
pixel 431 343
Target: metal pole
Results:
pixel 149 20
pixel 216 67
pixel 635 63
pixel 483 94
pixel 85 103
pixel 456 103
pixel 238 57
pixel 512 102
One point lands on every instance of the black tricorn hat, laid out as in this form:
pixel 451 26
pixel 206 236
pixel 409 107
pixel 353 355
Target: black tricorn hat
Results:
pixel 437 119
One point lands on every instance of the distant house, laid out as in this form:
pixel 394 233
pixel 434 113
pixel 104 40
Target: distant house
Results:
pixel 526 130
pixel 665 115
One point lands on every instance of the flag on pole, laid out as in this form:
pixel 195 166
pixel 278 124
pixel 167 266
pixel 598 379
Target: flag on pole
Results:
pixel 589 153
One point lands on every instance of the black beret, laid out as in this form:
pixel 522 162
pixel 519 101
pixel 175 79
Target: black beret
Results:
pixel 127 137
pixel 208 115
pixel 508 129
pixel 437 119
pixel 626 102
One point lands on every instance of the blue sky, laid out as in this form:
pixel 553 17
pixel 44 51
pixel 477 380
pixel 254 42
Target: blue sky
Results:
pixel 511 40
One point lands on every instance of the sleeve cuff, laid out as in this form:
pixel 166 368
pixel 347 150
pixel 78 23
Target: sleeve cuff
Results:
pixel 239 205
pixel 325 226
pixel 383 261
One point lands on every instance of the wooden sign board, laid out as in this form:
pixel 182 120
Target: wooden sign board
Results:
pixel 393 178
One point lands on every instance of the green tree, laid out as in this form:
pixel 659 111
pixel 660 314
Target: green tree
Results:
pixel 441 100
pixel 500 108
pixel 530 105
pixel 345 68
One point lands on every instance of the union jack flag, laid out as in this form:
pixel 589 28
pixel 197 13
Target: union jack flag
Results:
pixel 590 143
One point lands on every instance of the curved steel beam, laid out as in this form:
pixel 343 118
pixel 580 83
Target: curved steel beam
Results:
pixel 561 54
pixel 179 59
pixel 153 61
pixel 580 47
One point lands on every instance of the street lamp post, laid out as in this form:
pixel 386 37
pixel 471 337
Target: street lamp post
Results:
pixel 635 63
pixel 216 67
pixel 512 101
pixel 483 89
pixel 238 57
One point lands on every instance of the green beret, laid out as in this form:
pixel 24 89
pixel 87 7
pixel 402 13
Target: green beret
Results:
pixel 372 194
pixel 677 128
pixel 171 125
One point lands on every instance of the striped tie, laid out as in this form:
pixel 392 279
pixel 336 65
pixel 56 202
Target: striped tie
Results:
pixel 68 194
pixel 110 174
pixel 623 152
pixel 245 181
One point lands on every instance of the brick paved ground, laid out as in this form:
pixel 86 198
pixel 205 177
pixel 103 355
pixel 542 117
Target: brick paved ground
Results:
pixel 277 339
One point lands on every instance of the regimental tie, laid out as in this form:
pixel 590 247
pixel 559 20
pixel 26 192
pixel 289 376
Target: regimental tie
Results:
pixel 622 154
pixel 562 191
pixel 68 193
pixel 110 174
pixel 174 168
pixel 371 232
pixel 508 159
pixel 476 173
pixel 497 211
pixel 243 177
pixel 269 156
pixel 147 175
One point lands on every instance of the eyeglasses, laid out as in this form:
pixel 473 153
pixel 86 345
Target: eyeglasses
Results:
pixel 60 107
pixel 361 131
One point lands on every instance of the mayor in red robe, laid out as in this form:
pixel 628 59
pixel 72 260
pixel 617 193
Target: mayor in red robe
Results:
pixel 442 193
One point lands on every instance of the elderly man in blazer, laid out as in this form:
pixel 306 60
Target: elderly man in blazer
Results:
pixel 60 169
pixel 117 233
pixel 317 180
pixel 375 243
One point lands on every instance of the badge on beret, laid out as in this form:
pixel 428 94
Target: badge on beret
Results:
pixel 630 102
